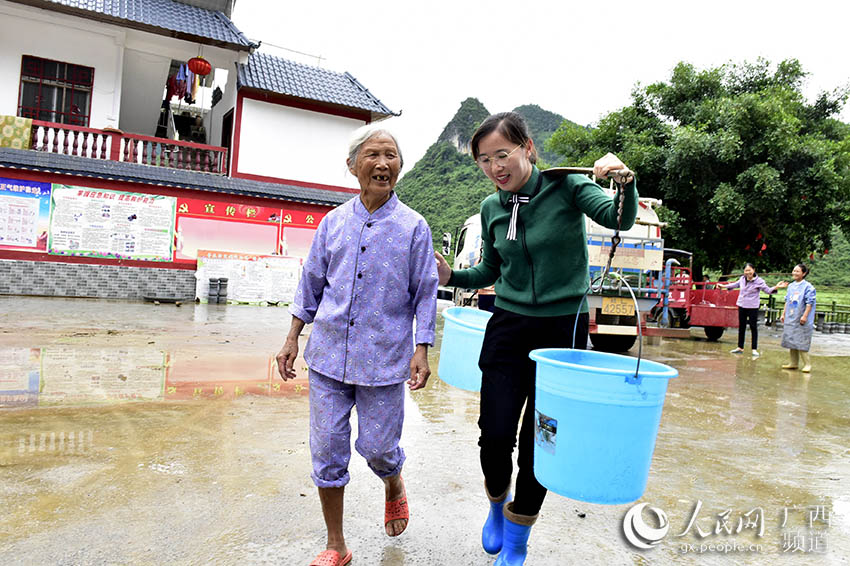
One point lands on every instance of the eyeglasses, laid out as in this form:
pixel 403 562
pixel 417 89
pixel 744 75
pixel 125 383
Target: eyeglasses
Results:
pixel 500 158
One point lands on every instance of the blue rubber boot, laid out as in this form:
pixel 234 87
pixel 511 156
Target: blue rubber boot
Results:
pixel 515 538
pixel 491 534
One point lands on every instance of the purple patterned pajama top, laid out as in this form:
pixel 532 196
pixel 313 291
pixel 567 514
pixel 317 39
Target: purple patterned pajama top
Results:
pixel 365 279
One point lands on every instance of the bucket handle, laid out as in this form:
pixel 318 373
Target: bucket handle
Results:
pixel 634 380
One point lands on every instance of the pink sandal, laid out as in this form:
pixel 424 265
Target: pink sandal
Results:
pixel 331 558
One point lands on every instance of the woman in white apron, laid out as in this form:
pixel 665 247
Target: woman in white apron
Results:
pixel 798 319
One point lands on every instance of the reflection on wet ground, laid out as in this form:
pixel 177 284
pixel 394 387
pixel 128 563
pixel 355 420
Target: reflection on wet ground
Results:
pixel 141 434
pixel 96 360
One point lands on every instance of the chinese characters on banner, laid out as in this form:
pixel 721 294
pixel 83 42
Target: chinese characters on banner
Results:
pixel 24 214
pixel 111 224
pixel 298 229
pixel 239 228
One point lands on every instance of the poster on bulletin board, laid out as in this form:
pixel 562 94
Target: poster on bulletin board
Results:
pixel 251 278
pixel 111 224
pixel 24 214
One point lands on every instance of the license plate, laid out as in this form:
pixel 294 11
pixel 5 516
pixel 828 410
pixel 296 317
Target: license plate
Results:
pixel 618 306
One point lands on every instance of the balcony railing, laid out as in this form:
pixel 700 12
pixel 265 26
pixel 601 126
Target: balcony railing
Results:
pixel 115 145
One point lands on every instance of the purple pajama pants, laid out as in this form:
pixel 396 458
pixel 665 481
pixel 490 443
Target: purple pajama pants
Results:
pixel 380 414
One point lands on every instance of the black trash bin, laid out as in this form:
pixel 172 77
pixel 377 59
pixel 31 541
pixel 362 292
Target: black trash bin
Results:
pixel 222 290
pixel 212 295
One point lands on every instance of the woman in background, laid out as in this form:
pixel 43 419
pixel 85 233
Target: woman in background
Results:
pixel 748 304
pixel 798 319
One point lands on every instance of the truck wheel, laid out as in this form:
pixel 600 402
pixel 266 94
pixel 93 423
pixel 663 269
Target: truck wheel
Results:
pixel 612 342
pixel 713 333
pixel 682 318
pixel 654 314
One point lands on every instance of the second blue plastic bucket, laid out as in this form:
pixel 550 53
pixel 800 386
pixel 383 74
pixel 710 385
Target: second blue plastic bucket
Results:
pixel 595 424
pixel 463 334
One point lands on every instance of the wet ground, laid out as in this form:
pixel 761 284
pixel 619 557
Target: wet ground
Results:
pixel 135 433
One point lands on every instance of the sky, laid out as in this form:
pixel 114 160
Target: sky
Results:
pixel 580 59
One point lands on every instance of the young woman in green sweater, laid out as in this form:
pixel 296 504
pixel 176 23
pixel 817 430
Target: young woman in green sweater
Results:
pixel 535 251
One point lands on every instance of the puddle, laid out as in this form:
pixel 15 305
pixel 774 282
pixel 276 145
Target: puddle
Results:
pixel 140 434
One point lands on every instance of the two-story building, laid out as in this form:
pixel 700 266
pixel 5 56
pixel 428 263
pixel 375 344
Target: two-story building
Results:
pixel 138 133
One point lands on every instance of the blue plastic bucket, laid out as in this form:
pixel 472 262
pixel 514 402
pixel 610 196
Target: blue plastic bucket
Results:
pixel 463 334
pixel 596 423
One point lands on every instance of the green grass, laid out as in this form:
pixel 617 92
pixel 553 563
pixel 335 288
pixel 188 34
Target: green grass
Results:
pixel 841 296
pixel 826 295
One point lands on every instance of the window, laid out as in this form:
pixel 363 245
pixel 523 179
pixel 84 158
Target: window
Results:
pixel 55 92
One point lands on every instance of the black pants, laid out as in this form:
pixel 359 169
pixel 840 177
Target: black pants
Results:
pixel 486 302
pixel 508 384
pixel 745 317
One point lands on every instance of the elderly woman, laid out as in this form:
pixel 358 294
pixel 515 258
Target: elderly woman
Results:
pixel 369 273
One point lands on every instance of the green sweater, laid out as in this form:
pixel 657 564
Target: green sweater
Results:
pixel 544 272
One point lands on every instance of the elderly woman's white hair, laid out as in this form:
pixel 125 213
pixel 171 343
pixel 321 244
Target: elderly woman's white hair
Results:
pixel 363 134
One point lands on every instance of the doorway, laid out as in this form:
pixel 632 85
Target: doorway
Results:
pixel 227 134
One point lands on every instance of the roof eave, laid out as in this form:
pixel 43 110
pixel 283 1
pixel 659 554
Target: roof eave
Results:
pixel 275 96
pixel 378 116
pixel 105 18
pixel 386 113
pixel 58 164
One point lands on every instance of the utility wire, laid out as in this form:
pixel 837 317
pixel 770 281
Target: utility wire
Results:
pixel 319 58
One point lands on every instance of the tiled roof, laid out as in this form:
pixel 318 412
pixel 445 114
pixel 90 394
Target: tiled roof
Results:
pixel 274 74
pixel 159 176
pixel 173 18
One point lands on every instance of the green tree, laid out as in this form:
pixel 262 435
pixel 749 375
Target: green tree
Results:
pixel 446 187
pixel 541 125
pixel 460 128
pixel 748 169
pixel 831 268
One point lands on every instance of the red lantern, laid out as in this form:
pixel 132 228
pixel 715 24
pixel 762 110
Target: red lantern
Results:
pixel 199 66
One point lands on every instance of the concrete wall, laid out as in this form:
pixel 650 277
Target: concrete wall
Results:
pixel 54 279
pixel 130 66
pixel 299 145
pixel 29 31
pixel 227 103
